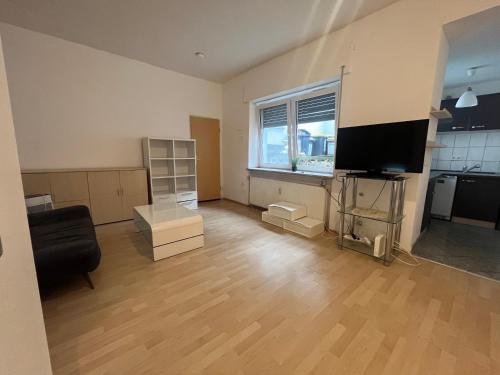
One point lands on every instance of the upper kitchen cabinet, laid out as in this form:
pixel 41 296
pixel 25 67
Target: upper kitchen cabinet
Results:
pixel 485 116
pixel 487 113
pixel 460 120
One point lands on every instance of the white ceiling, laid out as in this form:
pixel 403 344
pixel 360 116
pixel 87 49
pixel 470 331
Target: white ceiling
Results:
pixel 474 41
pixel 235 35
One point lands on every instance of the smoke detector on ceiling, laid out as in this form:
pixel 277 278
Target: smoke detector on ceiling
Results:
pixel 471 72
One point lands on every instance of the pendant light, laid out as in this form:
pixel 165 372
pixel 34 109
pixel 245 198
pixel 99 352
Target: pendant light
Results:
pixel 468 98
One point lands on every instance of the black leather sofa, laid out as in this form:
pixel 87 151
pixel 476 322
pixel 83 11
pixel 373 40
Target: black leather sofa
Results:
pixel 64 244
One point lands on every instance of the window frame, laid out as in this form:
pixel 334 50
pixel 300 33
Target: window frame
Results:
pixel 291 102
pixel 274 103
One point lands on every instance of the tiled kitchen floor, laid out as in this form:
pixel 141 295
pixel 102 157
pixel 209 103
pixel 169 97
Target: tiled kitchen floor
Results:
pixel 467 247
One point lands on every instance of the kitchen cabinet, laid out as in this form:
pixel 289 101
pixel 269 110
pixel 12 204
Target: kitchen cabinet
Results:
pixel 426 217
pixel 36 183
pixel 487 113
pixel 114 194
pixel 110 194
pixel 485 116
pixel 134 191
pixel 69 189
pixel 105 196
pixel 477 198
pixel 460 120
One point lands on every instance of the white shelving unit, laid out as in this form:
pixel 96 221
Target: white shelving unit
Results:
pixel 171 165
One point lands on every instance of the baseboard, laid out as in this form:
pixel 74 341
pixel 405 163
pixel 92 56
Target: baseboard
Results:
pixel 477 223
pixel 233 201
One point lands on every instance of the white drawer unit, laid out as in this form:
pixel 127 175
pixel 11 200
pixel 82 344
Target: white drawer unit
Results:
pixel 305 226
pixel 271 219
pixel 171 165
pixel 187 196
pixel 292 217
pixel 287 210
pixel 164 198
pixel 192 205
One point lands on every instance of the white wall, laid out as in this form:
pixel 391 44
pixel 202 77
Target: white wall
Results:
pixel 75 106
pixel 23 344
pixel 395 61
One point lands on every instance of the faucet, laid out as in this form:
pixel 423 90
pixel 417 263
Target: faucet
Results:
pixel 466 169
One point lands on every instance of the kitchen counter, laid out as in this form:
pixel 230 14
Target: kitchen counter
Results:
pixel 475 197
pixel 436 173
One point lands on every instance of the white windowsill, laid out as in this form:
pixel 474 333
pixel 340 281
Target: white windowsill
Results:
pixel 286 171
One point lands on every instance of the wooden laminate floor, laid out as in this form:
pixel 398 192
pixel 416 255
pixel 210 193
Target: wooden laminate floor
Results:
pixel 256 300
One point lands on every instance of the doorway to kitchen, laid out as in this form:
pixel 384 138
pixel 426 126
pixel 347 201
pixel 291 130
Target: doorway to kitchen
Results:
pixel 461 221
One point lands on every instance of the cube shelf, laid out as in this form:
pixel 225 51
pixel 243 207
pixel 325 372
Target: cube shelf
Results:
pixel 184 148
pixel 171 165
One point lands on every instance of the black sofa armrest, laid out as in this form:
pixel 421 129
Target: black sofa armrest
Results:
pixel 58 215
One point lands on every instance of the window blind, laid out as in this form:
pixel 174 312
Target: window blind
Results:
pixel 318 108
pixel 274 116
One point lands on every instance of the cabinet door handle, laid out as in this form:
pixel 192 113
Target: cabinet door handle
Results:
pixel 468 180
pixel 118 192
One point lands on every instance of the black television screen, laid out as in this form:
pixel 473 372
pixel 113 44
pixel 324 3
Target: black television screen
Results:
pixel 392 147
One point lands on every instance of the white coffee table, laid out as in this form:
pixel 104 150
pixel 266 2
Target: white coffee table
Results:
pixel 170 229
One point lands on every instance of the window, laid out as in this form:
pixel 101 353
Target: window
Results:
pixel 301 126
pixel 274 134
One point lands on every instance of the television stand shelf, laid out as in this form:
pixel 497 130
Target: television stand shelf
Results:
pixel 392 217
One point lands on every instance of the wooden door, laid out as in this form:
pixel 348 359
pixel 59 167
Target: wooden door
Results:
pixel 206 132
pixel 134 191
pixel 105 196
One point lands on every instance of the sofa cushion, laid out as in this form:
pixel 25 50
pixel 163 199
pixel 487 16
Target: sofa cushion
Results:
pixel 64 242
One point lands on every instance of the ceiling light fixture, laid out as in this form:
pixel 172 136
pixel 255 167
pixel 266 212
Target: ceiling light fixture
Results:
pixel 199 54
pixel 468 98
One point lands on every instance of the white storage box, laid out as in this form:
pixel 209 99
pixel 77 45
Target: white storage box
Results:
pixel 186 196
pixel 38 203
pixel 306 226
pixel 287 210
pixel 270 219
pixel 192 205
pixel 161 200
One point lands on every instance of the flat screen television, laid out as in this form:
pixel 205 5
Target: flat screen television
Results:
pixel 392 147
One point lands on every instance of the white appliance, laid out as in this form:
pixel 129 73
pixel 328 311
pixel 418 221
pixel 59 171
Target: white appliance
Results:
pixel 444 193
pixel 38 203
pixel 379 246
